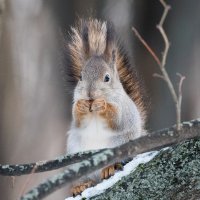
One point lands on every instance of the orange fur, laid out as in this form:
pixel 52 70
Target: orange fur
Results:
pixel 82 109
pixel 109 114
pixel 106 111
pixel 108 172
pixel 131 83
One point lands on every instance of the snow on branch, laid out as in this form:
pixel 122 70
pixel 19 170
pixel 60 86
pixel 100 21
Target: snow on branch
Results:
pixel 104 157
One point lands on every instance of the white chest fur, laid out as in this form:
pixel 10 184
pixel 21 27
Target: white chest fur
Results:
pixel 93 134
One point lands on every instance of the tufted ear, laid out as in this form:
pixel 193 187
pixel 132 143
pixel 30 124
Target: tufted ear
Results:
pixel 85 39
pixel 113 57
pixel 110 50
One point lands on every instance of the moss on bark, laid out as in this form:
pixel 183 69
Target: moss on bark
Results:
pixel 172 174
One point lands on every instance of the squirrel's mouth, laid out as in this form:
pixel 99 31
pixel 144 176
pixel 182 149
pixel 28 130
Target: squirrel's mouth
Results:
pixel 90 103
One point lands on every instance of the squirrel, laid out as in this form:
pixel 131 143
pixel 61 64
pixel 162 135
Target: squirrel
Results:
pixel 108 102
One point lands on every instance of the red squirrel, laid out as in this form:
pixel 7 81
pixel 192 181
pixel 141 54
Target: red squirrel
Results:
pixel 108 103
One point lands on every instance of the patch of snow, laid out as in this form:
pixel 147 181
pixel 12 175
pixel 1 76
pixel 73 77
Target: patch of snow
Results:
pixel 105 184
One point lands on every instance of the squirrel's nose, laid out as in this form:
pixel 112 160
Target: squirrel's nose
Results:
pixel 89 95
pixel 92 94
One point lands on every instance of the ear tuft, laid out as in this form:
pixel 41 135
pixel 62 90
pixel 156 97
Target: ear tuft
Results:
pixel 84 33
pixel 114 56
pixel 109 52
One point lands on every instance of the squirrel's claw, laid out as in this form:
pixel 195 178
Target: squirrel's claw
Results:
pixel 76 190
pixel 110 170
pixel 119 166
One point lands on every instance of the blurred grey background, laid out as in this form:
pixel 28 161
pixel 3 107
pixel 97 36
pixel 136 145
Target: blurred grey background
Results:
pixel 35 105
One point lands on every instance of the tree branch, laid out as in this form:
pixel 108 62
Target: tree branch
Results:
pixel 42 166
pixel 180 84
pixel 104 157
pixel 66 160
pixel 150 50
pixel 159 76
pixel 163 33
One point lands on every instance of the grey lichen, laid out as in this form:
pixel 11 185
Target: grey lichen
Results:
pixel 172 174
pixel 5 166
pixel 102 157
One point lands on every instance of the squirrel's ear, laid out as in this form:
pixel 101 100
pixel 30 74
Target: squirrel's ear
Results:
pixel 109 53
pixel 113 56
pixel 86 48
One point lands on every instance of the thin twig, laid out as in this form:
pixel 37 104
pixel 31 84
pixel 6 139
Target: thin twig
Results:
pixel 167 8
pixel 13 181
pixel 161 63
pixel 27 181
pixel 159 76
pixel 162 31
pixel 151 51
pixel 180 84
pixel 182 78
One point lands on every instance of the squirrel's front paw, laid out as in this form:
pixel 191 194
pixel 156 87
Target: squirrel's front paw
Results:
pixel 99 105
pixel 110 170
pixel 83 106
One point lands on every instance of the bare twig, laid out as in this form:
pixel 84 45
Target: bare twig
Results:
pixel 27 181
pixel 13 181
pixel 182 78
pixel 150 50
pixel 104 157
pixel 180 84
pixel 161 63
pixel 162 31
pixel 159 76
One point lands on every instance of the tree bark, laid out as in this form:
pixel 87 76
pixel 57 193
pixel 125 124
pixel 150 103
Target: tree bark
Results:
pixel 172 174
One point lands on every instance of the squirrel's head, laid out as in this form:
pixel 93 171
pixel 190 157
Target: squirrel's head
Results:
pixel 94 56
pixel 98 78
pixel 99 65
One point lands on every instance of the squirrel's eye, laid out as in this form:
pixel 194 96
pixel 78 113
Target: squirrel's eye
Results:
pixel 107 78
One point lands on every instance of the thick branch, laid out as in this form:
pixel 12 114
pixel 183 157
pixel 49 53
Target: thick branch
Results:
pixel 104 157
pixel 62 161
pixel 72 173
pixel 42 166
pixel 173 174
